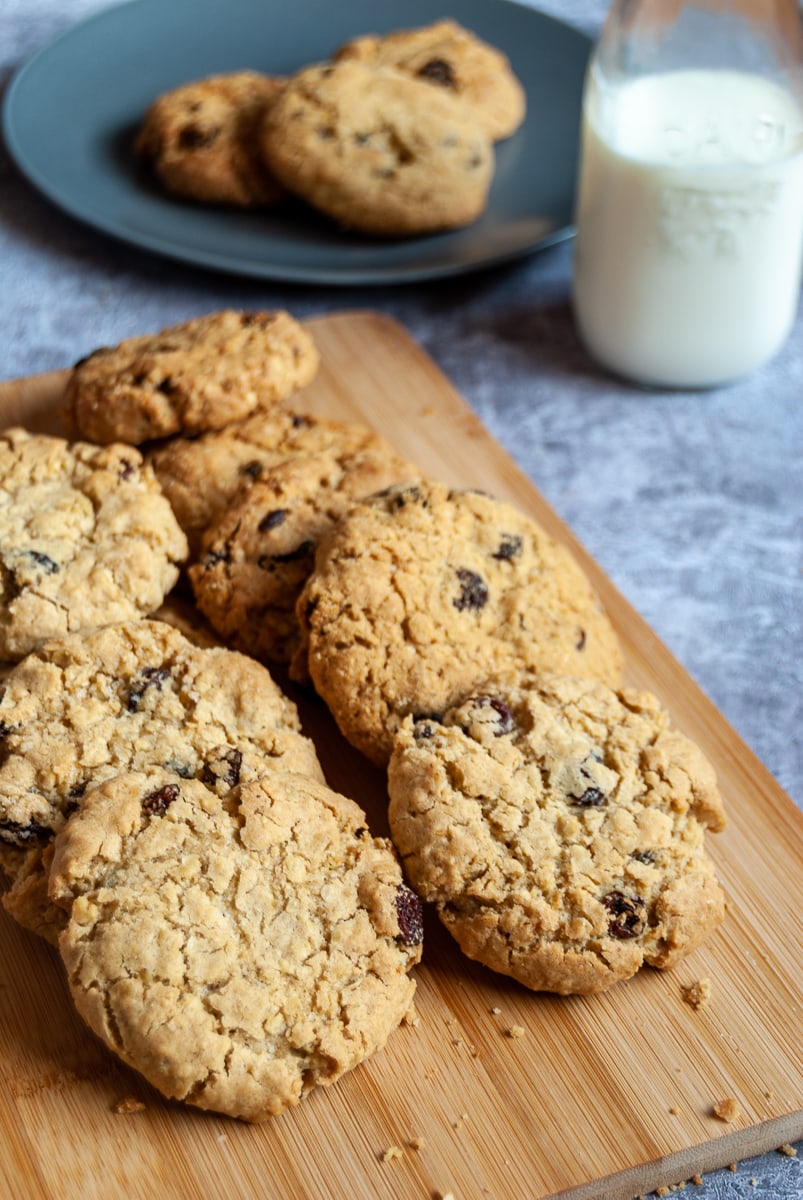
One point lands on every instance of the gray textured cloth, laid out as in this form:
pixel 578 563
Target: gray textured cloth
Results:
pixel 690 501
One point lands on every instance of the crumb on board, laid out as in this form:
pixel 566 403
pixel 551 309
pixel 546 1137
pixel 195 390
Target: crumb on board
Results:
pixel 128 1105
pixel 727 1109
pixel 444 1196
pixel 515 1031
pixel 674 1110
pixel 391 1153
pixel 417 1142
pixel 698 993
pixel 788 1150
pixel 411 1016
pixel 496 1010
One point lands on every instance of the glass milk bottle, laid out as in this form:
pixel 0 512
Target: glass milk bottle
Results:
pixel 690 203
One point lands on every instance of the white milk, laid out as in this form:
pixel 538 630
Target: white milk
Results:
pixel 689 225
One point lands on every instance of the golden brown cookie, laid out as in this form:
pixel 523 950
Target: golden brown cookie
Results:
pixel 200 140
pixel 377 150
pixel 455 59
pixel 189 378
pixel 86 538
pixel 240 950
pixel 558 827
pixel 420 593
pixel 83 708
pixel 256 557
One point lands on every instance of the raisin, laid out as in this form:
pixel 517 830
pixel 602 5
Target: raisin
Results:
pixel 298 421
pixel 267 560
pixel 148 677
pixel 167 387
pixel 360 832
pixel 192 137
pixel 217 555
pixel 14 834
pixel 509 547
pixel 580 644
pixel 473 590
pixel 126 469
pixel 644 856
pixel 225 769
pixel 272 519
pixel 591 798
pixel 438 70
pixel 44 561
pixel 156 804
pixel 504 717
pixel 252 469
pixel 410 914
pixel 5 729
pixel 424 725
pixel 627 915
pixel 325 132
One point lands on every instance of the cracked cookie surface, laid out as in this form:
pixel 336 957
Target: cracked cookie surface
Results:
pixel 448 56
pixel 86 537
pixel 558 827
pixel 201 476
pixel 420 593
pixel 257 556
pixel 127 696
pixel 239 950
pixel 379 151
pixel 189 378
pixel 200 140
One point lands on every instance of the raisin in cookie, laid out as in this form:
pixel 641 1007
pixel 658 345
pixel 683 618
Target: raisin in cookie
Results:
pixel 201 476
pixel 200 140
pixel 453 58
pixel 240 950
pixel 86 537
pixel 256 557
pixel 127 696
pixel 189 378
pixel 558 828
pixel 379 151
pixel 420 593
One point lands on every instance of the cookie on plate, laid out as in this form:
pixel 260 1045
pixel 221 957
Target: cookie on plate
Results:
pixel 257 556
pixel 379 151
pixel 201 476
pixel 86 537
pixel 237 951
pixel 558 827
pixel 453 58
pixel 189 378
pixel 420 593
pixel 200 140
pixel 83 708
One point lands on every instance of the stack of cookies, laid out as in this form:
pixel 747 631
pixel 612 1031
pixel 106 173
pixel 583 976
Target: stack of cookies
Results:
pixel 394 136
pixel 229 925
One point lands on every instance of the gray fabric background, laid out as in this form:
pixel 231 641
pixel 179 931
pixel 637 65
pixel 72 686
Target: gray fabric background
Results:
pixel 691 502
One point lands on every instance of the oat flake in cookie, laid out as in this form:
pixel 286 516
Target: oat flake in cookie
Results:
pixel 558 827
pixel 420 593
pixel 83 708
pixel 86 538
pixel 237 950
pixel 189 378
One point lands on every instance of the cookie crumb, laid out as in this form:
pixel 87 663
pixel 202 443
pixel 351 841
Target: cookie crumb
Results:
pixel 496 1011
pixel 697 1180
pixel 727 1109
pixel 674 1110
pixel 129 1105
pixel 444 1196
pixel 789 1151
pixel 391 1153
pixel 732 1168
pixel 417 1142
pixel 697 994
pixel 663 1190
pixel 515 1031
pixel 411 1017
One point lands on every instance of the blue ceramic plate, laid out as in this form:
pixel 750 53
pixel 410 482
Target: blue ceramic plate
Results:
pixel 71 113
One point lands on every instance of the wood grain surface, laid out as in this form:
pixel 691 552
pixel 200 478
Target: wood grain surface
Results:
pixel 605 1096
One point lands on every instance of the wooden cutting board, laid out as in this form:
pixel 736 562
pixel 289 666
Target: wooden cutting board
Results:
pixel 601 1096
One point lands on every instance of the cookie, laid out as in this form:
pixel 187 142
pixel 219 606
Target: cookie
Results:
pixel 558 827
pixel 83 708
pixel 189 378
pixel 422 592
pixel 455 59
pixel 238 951
pixel 199 140
pixel 378 151
pixel 201 476
pixel 257 556
pixel 86 537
